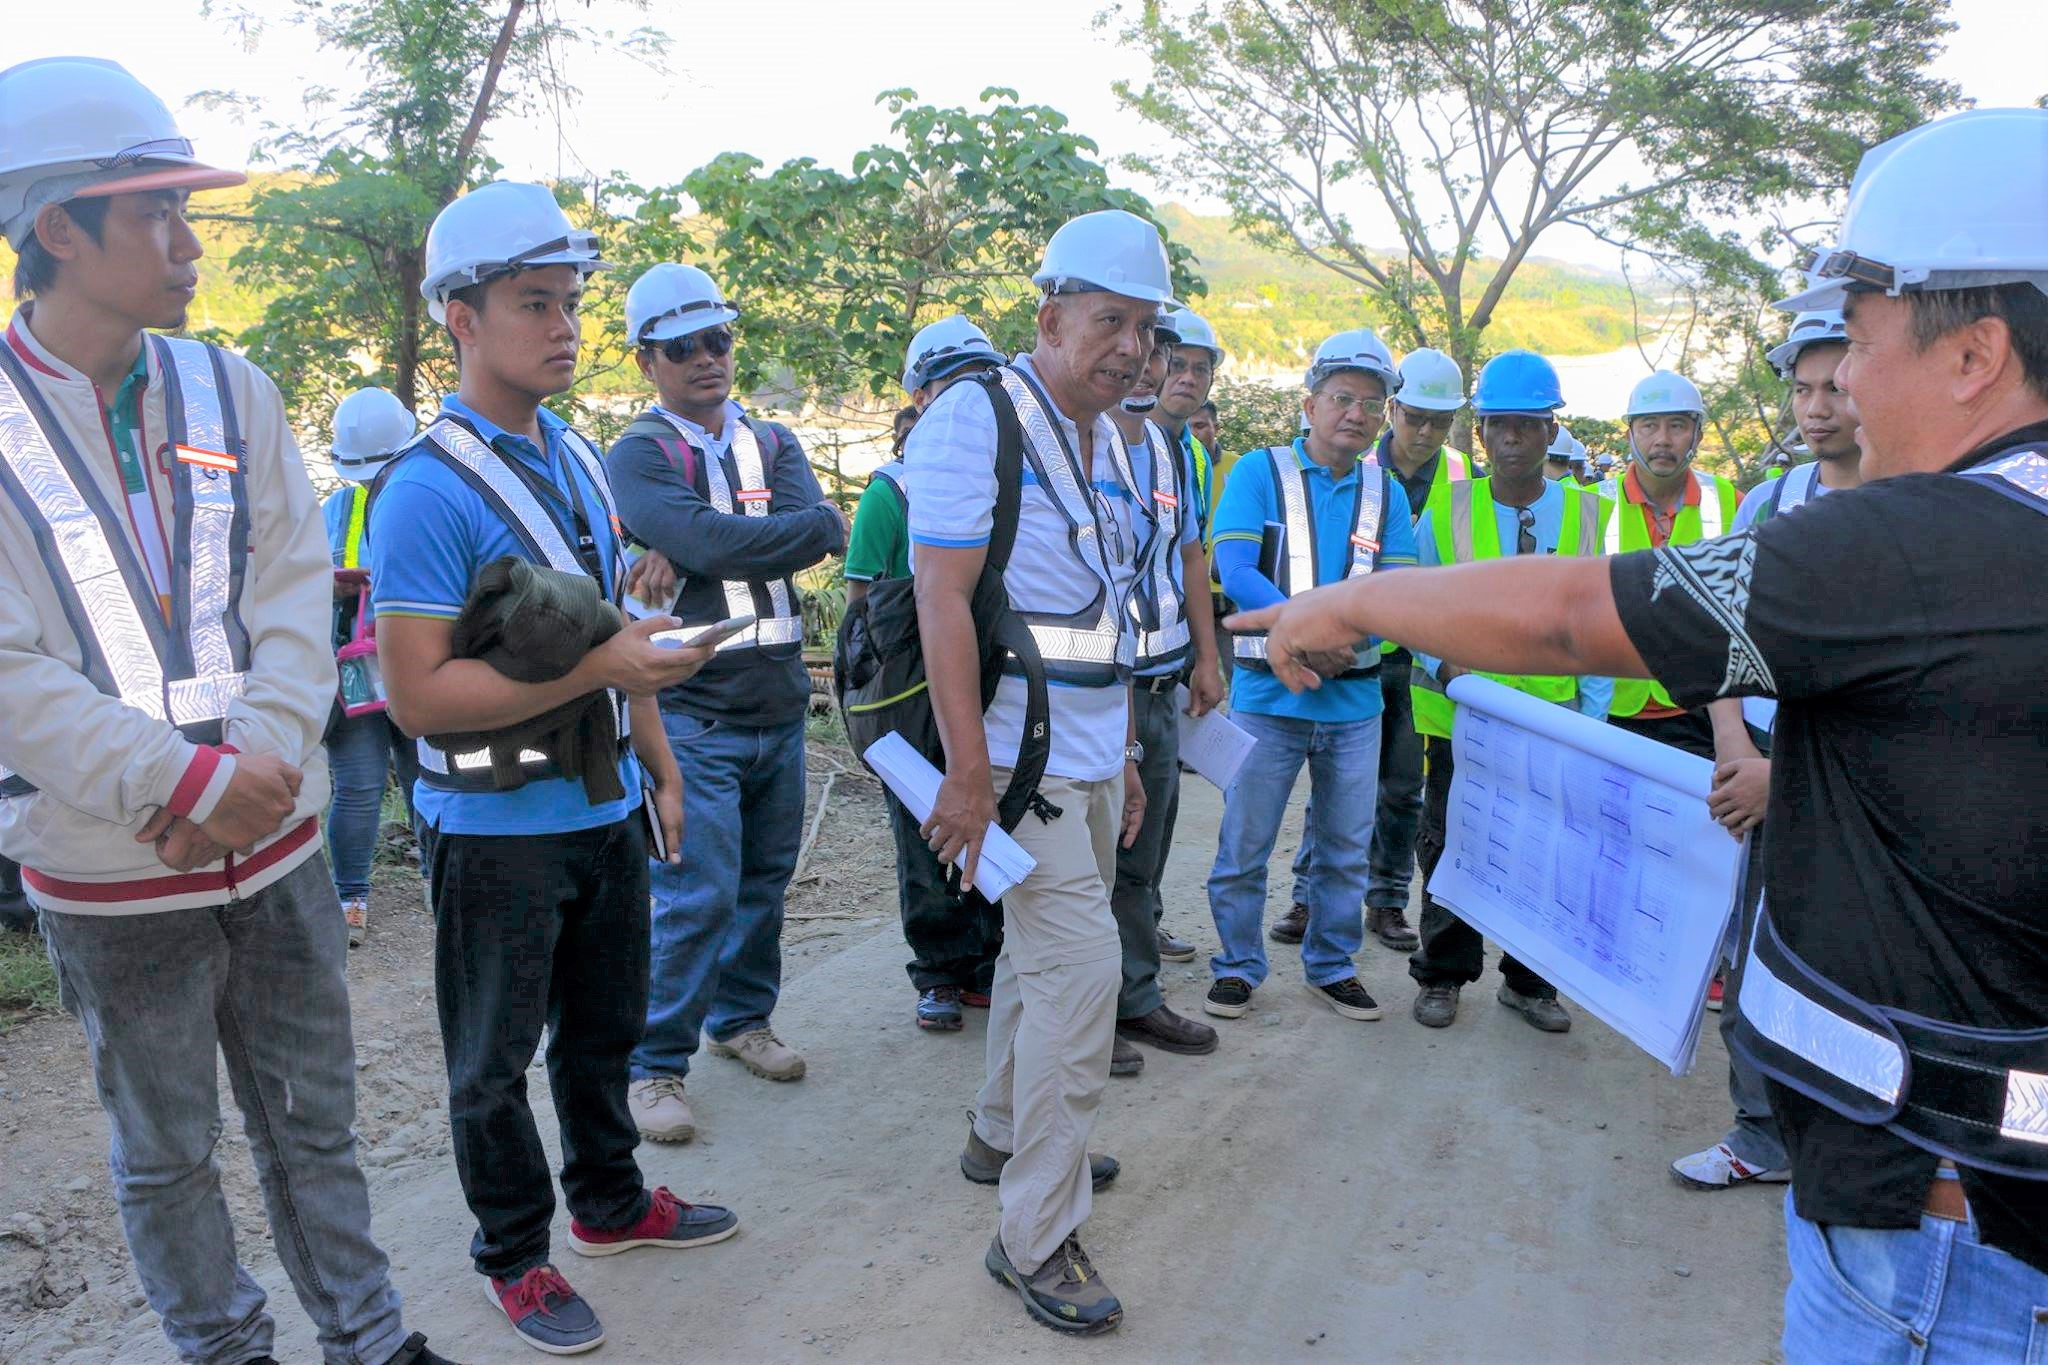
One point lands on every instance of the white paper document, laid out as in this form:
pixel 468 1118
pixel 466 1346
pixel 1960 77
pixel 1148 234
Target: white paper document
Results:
pixel 1588 853
pixel 915 781
pixel 1761 712
pixel 1213 744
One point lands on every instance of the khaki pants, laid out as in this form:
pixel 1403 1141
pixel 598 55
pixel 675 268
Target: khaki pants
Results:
pixel 1052 1016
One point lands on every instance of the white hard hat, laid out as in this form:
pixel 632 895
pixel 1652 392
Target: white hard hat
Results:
pixel 1958 203
pixel 673 301
pixel 941 347
pixel 1565 446
pixel 82 127
pixel 1431 380
pixel 1191 330
pixel 1808 329
pixel 1663 391
pixel 1109 250
pixel 370 426
pixel 496 229
pixel 1358 349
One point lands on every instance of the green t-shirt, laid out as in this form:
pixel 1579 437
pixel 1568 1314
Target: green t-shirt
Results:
pixel 879 544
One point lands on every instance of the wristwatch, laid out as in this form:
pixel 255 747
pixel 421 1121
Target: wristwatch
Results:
pixel 1134 752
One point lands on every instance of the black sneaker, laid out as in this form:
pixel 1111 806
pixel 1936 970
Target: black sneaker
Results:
pixel 1229 998
pixel 416 1352
pixel 938 1009
pixel 1348 998
pixel 1065 1293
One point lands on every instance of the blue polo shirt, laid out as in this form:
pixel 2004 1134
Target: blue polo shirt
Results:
pixel 1248 502
pixel 433 533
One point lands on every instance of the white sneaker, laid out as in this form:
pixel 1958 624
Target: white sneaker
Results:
pixel 357 914
pixel 1718 1168
pixel 659 1110
pixel 762 1053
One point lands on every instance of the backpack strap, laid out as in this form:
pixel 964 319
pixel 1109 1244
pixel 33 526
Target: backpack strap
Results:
pixel 1009 472
pixel 681 454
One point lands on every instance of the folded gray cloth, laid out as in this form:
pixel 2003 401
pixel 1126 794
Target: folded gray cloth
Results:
pixel 534 624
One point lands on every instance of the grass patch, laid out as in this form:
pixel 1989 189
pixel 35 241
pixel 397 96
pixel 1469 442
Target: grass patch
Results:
pixel 27 981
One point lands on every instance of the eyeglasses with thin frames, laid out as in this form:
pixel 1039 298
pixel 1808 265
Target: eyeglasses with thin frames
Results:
pixel 1345 402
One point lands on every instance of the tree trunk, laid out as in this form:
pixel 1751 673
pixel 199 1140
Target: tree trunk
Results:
pixel 486 91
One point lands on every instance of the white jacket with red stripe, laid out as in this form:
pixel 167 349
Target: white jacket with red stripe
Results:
pixel 102 768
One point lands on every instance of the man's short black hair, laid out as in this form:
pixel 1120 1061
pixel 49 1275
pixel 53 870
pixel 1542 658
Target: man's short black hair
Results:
pixel 35 269
pixel 2022 307
pixel 473 295
pixel 1208 406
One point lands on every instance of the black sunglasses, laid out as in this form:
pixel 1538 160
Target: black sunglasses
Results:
pixel 717 342
pixel 1525 531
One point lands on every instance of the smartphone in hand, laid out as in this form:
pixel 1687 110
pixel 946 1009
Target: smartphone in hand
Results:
pixel 691 636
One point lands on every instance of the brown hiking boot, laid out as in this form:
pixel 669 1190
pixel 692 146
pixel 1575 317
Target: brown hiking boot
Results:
pixel 1169 1032
pixel 1389 924
pixel 1291 927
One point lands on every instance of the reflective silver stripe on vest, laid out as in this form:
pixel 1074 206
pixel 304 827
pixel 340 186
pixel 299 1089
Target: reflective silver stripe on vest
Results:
pixel 1157 563
pixel 1461 522
pixel 479 459
pixel 2026 1106
pixel 1589 524
pixel 1796 488
pixel 1103 643
pixel 1843 1048
pixel 1368 509
pixel 85 556
pixel 782 626
pixel 212 519
pixel 1710 505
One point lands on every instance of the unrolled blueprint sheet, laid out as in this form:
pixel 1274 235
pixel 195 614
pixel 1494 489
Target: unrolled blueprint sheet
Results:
pixel 915 781
pixel 1588 853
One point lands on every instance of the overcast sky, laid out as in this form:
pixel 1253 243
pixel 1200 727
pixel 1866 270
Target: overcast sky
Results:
pixel 782 78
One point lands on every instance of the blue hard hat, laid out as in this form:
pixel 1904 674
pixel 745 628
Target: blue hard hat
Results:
pixel 1517 382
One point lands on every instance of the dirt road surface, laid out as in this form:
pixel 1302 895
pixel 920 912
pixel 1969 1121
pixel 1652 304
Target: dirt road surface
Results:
pixel 1317 1190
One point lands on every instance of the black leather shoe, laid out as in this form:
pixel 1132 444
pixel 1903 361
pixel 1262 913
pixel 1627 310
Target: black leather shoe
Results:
pixel 1124 1060
pixel 1389 924
pixel 1291 927
pixel 1169 1032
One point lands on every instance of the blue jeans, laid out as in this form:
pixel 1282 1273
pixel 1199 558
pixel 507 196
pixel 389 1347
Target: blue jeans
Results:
pixel 1343 766
pixel 1929 1295
pixel 1397 815
pixel 260 982
pixel 718 915
pixel 360 753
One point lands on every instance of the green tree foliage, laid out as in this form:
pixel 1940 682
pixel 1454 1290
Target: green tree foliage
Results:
pixel 1250 415
pixel 1488 123
pixel 336 246
pixel 835 271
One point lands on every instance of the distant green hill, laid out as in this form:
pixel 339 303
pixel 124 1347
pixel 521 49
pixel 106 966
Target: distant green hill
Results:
pixel 1271 308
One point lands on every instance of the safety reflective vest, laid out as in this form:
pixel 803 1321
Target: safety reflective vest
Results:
pixel 1626 531
pixel 1452 466
pixel 506 493
pixel 1793 489
pixel 1089 647
pixel 185 671
pixel 358 519
pixel 1159 607
pixel 774 601
pixel 1463 523
pixel 1298 566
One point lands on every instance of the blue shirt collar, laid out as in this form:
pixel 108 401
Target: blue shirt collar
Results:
pixel 551 426
pixel 1310 466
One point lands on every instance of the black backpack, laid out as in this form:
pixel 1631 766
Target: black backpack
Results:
pixel 878 658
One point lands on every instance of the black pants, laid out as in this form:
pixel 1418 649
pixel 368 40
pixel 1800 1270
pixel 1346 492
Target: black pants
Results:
pixel 15 911
pixel 1452 951
pixel 1691 731
pixel 1134 900
pixel 1397 820
pixel 954 938
pixel 533 930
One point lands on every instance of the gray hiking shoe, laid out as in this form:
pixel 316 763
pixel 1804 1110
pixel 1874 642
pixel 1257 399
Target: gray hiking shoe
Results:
pixel 1065 1293
pixel 984 1164
pixel 1542 1011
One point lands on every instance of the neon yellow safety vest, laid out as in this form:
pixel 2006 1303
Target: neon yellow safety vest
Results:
pixel 1711 517
pixel 358 517
pixel 1462 520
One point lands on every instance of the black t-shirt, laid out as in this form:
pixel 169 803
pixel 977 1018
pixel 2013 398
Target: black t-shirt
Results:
pixel 1904 627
